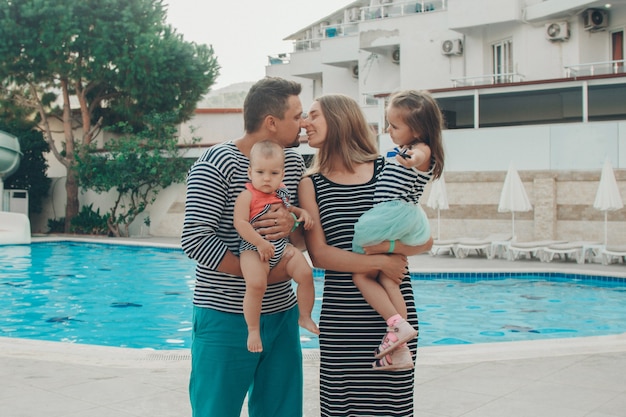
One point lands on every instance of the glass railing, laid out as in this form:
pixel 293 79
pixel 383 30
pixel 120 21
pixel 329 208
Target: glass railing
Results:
pixel 388 9
pixel 595 68
pixel 326 32
pixel 502 78
pixel 401 8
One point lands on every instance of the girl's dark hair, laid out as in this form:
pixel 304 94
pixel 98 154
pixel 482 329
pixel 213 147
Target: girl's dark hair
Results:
pixel 423 116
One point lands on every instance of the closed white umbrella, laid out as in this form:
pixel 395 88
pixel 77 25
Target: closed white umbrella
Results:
pixel 513 197
pixel 438 199
pixel 608 197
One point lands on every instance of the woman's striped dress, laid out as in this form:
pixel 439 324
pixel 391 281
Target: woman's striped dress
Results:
pixel 350 328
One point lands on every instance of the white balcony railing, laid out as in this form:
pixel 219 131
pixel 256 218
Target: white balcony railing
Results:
pixel 502 78
pixel 388 9
pixel 326 32
pixel 595 68
pixel 401 8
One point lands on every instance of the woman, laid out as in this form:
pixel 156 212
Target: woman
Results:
pixel 339 188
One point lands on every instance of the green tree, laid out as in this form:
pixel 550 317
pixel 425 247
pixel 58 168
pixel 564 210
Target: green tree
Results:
pixel 86 62
pixel 136 166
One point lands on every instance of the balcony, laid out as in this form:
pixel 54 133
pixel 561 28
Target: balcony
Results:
pixel 398 9
pixel 488 79
pixel 571 71
pixel 326 31
pixel 279 59
pixel 347 24
pixel 595 68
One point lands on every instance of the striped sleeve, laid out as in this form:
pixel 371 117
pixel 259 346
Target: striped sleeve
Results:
pixel 206 198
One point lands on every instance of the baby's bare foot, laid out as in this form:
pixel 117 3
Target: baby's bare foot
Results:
pixel 309 324
pixel 254 341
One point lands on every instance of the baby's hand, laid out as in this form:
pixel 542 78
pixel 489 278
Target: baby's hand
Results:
pixel 266 251
pixel 306 218
pixel 408 158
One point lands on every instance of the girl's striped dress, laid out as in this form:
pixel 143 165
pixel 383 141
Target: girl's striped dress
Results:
pixel 350 328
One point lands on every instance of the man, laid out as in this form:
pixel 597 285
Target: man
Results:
pixel 223 371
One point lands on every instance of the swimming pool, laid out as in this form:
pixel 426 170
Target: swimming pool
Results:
pixel 141 297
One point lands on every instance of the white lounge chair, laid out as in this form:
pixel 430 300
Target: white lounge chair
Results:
pixel 443 246
pixel 482 246
pixel 580 250
pixel 531 249
pixel 613 253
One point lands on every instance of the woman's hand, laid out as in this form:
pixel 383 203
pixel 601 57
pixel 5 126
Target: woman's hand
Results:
pixel 393 266
pixel 275 224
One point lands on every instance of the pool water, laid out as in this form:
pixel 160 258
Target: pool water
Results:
pixel 141 297
pixel 101 294
pixel 501 307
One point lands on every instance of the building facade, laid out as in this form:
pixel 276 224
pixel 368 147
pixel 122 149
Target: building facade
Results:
pixel 537 84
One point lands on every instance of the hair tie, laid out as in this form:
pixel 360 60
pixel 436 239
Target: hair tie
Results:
pixel 296 223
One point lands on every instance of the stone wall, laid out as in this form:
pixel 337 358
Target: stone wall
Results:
pixel 562 207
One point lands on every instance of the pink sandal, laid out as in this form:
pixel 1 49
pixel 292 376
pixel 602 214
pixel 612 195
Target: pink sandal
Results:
pixel 397 360
pixel 403 332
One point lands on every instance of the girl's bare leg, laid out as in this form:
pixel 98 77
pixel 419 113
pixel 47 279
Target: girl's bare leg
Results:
pixel 375 294
pixel 384 302
pixel 395 295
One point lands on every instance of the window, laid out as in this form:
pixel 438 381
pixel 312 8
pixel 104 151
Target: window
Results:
pixel 617 51
pixel 521 108
pixel 503 61
pixel 606 102
pixel 458 112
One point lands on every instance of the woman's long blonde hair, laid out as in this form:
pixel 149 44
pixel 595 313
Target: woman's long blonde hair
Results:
pixel 349 139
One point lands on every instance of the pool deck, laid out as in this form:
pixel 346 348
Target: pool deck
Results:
pixel 548 378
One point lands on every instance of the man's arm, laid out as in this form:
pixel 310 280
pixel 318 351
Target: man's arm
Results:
pixel 208 194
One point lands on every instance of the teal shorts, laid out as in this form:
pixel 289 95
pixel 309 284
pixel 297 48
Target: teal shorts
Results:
pixel 223 371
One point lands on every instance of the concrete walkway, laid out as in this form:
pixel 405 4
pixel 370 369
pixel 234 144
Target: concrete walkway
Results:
pixel 562 377
pixel 551 378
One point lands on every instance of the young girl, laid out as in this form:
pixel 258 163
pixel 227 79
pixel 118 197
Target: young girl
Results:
pixel 257 255
pixel 415 124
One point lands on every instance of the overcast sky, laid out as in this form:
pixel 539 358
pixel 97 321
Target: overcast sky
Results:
pixel 244 32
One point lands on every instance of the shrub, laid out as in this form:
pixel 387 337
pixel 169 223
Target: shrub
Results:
pixel 90 222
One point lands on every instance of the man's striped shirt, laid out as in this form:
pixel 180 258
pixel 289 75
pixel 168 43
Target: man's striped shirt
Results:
pixel 213 184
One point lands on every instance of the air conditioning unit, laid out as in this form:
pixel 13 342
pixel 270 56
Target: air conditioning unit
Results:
pixel 452 47
pixel 557 31
pixel 395 56
pixel 595 19
pixel 355 71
